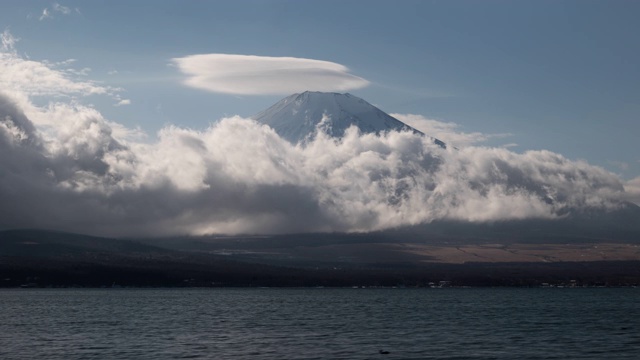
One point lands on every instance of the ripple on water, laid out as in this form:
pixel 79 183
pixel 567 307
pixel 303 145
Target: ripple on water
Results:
pixel 320 324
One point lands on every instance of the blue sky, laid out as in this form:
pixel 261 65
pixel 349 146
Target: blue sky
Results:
pixel 556 75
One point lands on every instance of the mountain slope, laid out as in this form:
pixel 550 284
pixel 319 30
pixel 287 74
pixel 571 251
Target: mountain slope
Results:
pixel 52 244
pixel 296 117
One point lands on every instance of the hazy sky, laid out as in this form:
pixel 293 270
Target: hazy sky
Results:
pixel 107 104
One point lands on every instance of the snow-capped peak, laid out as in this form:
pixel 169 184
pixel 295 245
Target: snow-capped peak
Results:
pixel 296 117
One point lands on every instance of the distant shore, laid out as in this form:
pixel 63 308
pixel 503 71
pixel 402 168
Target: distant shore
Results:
pixel 62 274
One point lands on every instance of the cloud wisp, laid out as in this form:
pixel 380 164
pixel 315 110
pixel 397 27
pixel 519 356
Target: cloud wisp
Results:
pixel 48 13
pixel 8 41
pixel 265 75
pixel 448 132
pixel 64 166
pixel 23 78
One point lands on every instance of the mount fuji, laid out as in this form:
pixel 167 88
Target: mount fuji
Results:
pixel 297 117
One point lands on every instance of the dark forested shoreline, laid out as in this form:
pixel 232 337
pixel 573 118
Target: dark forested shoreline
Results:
pixel 30 258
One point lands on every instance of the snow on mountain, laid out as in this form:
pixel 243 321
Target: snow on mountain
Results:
pixel 296 117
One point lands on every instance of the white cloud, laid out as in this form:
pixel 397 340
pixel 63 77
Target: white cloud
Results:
pixel 55 8
pixel 239 176
pixel 45 14
pixel 61 9
pixel 8 41
pixel 37 78
pixel 122 102
pixel 22 78
pixel 79 72
pixel 448 132
pixel 632 188
pixel 620 165
pixel 258 75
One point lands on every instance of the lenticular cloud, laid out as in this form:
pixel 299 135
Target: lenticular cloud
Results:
pixel 259 75
pixel 238 176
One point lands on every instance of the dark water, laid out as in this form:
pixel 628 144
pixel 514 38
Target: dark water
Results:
pixel 320 324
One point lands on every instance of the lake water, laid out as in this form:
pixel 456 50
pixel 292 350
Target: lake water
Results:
pixel 320 323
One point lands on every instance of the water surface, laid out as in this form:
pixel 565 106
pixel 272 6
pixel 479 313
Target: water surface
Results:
pixel 320 323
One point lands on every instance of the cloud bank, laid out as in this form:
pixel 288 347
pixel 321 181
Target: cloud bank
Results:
pixel 240 177
pixel 64 166
pixel 264 75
